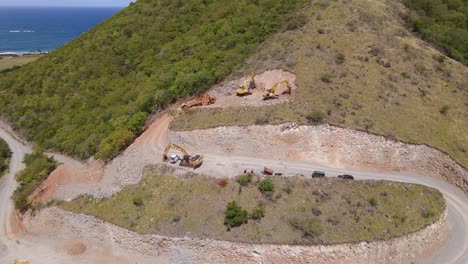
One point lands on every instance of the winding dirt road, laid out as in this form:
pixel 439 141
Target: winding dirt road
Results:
pixel 8 183
pixel 455 250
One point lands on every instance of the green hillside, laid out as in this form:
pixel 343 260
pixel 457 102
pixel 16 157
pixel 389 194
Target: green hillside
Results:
pixel 443 22
pixel 93 95
pixel 359 65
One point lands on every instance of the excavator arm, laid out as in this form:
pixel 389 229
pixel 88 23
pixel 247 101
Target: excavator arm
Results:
pixel 172 146
pixel 245 89
pixel 271 93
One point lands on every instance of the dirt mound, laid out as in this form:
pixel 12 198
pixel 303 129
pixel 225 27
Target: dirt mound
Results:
pixel 72 247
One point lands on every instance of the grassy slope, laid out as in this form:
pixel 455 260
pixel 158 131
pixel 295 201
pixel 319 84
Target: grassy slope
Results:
pixel 350 210
pixel 402 101
pixel 95 93
pixel 11 61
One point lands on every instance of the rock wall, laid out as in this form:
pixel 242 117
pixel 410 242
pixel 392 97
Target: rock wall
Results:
pixel 150 248
pixel 330 145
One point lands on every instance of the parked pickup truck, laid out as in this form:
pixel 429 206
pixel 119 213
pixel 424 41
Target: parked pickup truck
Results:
pixel 318 174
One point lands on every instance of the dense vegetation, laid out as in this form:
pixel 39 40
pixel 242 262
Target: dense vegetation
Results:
pixel 95 93
pixel 38 168
pixel 297 211
pixel 5 155
pixel 443 22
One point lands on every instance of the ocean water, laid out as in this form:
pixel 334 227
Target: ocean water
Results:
pixel 27 29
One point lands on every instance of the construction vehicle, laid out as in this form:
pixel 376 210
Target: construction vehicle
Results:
pixel 20 262
pixel 200 101
pixel 193 161
pixel 267 171
pixel 271 93
pixel 247 87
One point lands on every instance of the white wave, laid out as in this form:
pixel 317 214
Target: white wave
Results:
pixel 28 31
pixel 14 31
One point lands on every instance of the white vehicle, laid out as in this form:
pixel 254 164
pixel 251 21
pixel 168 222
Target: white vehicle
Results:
pixel 174 158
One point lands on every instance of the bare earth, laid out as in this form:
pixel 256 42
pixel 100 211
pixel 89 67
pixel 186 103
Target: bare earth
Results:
pixel 59 236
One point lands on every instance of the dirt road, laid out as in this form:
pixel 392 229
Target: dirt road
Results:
pixel 8 183
pixel 455 250
pixel 147 149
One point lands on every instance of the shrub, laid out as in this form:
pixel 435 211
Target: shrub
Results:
pixel 266 187
pixel 5 155
pixel 287 189
pixel 257 213
pixel 326 78
pixel 444 109
pixel 373 201
pixel 315 117
pixel 138 201
pixel 111 145
pixel 340 58
pixel 38 167
pixel 316 211
pixel 427 213
pixel 223 183
pixel 311 228
pixel 234 215
pixel 296 21
pixel 245 179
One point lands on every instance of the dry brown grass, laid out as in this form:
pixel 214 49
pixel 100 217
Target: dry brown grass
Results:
pixel 390 82
pixel 343 210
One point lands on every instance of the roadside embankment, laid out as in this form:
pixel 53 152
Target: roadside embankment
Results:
pixel 325 144
pixel 90 230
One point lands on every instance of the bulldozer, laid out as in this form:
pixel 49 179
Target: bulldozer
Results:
pixel 271 93
pixel 192 161
pixel 202 100
pixel 247 87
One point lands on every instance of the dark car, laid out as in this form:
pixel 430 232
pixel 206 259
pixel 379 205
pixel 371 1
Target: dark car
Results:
pixel 346 177
pixel 318 174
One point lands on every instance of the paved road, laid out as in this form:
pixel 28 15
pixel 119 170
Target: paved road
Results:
pixel 455 251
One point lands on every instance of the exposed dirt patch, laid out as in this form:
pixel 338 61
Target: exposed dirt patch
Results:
pixel 126 168
pixel 160 249
pixel 69 174
pixel 72 247
pixel 225 94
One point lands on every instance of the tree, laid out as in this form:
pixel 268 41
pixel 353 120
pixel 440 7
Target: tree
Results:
pixel 234 215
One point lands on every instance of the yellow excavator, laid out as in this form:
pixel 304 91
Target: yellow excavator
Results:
pixel 193 161
pixel 20 262
pixel 247 87
pixel 271 93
